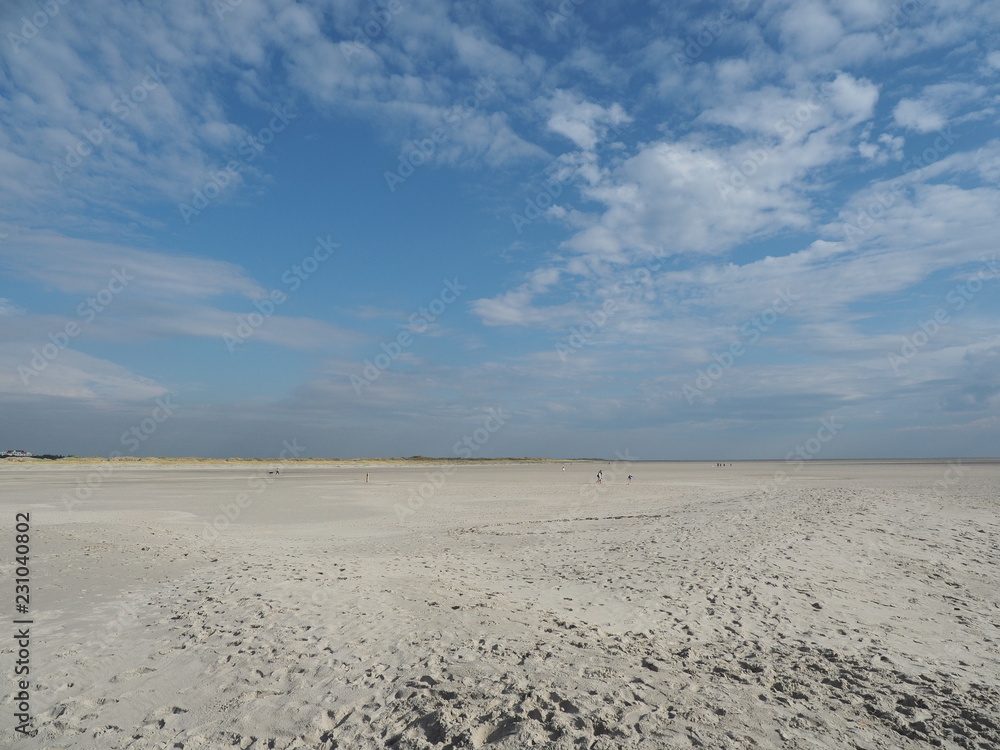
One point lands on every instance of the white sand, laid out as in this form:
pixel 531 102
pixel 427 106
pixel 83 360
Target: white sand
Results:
pixel 856 605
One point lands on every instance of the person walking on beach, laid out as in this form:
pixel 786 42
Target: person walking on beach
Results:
pixel 630 479
pixel 600 476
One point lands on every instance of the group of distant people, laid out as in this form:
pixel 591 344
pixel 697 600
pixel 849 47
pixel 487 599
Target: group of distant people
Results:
pixel 600 476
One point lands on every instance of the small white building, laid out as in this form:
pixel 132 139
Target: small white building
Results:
pixel 18 454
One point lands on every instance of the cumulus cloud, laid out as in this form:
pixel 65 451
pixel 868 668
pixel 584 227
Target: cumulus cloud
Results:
pixel 515 307
pixel 809 27
pixel 921 116
pixel 936 105
pixel 883 149
pixel 583 122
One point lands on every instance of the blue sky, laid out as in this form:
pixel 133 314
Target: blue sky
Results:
pixel 504 229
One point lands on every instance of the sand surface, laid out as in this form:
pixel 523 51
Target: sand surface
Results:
pixel 818 605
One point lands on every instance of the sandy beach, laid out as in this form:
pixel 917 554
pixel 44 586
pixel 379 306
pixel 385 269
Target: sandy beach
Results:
pixel 759 605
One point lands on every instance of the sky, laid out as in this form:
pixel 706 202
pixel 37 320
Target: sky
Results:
pixel 738 230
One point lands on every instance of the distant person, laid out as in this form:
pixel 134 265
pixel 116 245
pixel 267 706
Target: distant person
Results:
pixel 630 479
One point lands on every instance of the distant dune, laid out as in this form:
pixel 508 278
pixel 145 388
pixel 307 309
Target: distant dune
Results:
pixel 195 460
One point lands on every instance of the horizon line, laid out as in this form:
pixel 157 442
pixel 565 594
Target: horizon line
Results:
pixel 483 459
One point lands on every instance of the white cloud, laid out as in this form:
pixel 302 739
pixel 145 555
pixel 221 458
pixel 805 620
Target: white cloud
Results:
pixel 853 100
pixel 693 196
pixel 937 104
pixel 862 14
pixel 583 122
pixel 121 294
pixel 71 374
pixel 921 116
pixel 8 308
pixel 167 135
pixel 881 150
pixel 838 288
pixel 809 28
pixel 675 198
pixel 80 266
pixel 515 308
pixel 234 329
pixel 794 113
